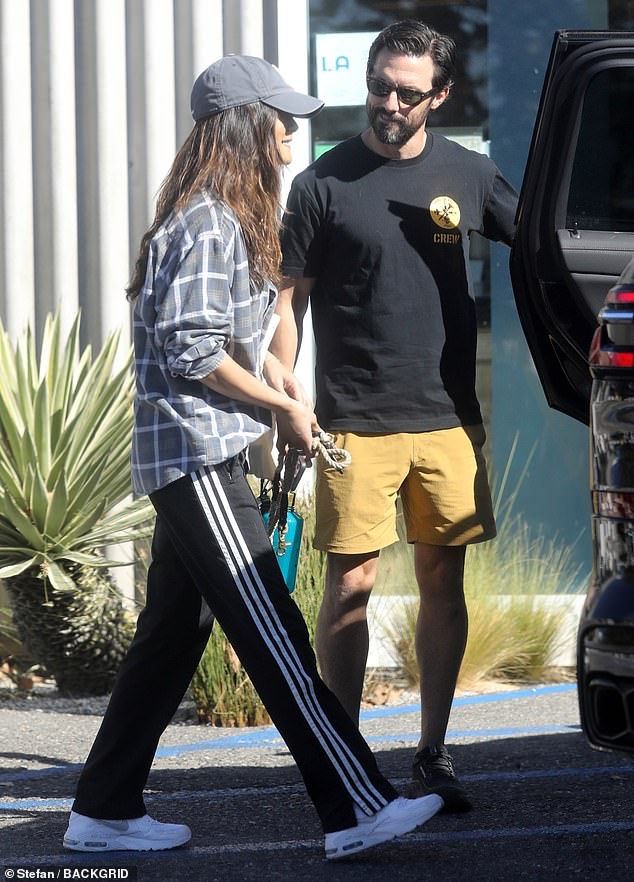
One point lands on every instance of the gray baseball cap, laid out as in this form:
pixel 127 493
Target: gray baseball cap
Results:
pixel 243 79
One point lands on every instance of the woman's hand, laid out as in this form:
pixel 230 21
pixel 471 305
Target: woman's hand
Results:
pixel 296 426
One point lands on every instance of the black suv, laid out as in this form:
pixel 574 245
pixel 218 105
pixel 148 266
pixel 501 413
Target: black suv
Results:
pixel 573 278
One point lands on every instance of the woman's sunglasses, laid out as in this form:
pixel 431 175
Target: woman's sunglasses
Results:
pixel 381 89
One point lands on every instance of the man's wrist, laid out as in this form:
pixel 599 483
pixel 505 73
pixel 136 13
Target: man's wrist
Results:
pixel 286 405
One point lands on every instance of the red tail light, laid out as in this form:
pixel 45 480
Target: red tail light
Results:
pixel 609 357
pixel 620 295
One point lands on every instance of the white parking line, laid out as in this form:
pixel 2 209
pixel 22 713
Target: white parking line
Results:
pixel 598 827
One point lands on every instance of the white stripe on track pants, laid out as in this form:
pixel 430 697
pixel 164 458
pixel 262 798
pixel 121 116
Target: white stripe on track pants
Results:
pixel 211 558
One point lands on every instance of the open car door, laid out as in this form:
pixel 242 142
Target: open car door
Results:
pixel 576 210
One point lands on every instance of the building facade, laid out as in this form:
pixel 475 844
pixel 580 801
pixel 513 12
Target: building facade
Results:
pixel 94 101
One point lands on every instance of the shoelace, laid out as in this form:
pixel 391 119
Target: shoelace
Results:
pixel 437 761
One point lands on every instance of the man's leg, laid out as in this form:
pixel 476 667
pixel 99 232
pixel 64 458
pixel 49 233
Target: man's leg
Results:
pixel 342 638
pixel 447 505
pixel 441 634
pixel 355 517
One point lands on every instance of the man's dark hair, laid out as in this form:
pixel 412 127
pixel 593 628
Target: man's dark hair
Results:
pixel 411 37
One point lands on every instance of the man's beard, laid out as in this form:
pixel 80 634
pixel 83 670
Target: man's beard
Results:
pixel 396 130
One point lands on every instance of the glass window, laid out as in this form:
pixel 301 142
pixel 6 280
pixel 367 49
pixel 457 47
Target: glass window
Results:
pixel 601 193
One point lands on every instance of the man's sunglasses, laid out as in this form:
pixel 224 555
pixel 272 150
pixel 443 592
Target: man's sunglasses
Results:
pixel 381 89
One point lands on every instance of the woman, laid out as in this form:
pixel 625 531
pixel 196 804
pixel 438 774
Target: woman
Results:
pixel 203 297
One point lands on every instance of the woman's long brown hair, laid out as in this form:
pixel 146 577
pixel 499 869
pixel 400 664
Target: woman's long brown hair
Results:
pixel 234 155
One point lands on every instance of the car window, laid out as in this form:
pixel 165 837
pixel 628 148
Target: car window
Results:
pixel 601 194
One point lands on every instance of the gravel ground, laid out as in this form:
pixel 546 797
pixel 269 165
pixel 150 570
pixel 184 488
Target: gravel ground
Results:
pixel 384 689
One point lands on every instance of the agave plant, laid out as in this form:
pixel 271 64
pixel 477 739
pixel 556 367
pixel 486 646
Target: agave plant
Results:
pixel 65 494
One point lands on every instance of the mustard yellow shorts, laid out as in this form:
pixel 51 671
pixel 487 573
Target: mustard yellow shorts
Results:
pixel 440 477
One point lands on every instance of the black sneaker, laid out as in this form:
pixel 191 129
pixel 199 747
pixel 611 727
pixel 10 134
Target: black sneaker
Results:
pixel 433 772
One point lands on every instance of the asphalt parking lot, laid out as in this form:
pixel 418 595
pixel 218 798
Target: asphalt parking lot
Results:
pixel 547 807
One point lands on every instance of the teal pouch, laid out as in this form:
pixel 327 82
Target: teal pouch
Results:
pixel 277 507
pixel 287 543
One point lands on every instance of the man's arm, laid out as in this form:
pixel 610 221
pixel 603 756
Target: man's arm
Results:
pixel 499 211
pixel 291 308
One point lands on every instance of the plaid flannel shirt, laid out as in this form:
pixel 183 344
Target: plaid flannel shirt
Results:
pixel 197 305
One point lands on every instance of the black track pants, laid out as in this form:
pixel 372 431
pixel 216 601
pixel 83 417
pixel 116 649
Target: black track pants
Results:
pixel 211 557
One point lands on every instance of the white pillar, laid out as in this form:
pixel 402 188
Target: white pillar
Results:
pixel 198 41
pixel 242 27
pixel 159 93
pixel 293 42
pixel 251 42
pixel 63 163
pixel 206 33
pixel 151 109
pixel 112 199
pixel 112 165
pixel 17 294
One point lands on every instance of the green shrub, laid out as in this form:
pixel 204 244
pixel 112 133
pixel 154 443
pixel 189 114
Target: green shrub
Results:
pixel 65 428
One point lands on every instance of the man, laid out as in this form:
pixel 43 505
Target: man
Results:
pixel 376 235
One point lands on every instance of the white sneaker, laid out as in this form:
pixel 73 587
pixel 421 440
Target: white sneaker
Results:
pixel 398 817
pixel 136 834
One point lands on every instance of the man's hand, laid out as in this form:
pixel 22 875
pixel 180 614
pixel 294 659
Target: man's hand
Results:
pixel 296 421
pixel 281 378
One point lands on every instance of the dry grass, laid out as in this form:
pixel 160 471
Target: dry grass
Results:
pixel 513 634
pixel 222 691
pixel 311 573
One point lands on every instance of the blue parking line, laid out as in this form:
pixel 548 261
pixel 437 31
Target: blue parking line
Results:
pixel 271 738
pixel 264 736
pixel 269 735
pixel 259 738
pixel 467 700
pixel 29 774
pixel 36 804
pixel 502 732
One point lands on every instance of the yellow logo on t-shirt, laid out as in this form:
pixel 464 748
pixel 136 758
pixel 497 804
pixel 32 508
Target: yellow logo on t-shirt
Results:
pixel 445 212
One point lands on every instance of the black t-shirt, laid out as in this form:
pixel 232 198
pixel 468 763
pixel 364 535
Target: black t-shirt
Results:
pixel 392 306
